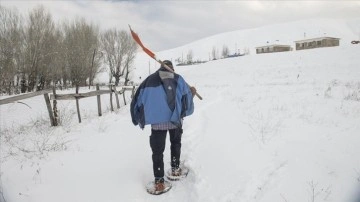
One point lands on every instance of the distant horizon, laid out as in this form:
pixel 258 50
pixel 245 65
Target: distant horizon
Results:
pixel 164 25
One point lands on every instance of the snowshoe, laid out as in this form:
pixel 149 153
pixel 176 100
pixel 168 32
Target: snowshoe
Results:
pixel 158 188
pixel 177 174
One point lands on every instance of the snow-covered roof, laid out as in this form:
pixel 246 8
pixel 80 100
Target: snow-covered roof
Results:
pixel 316 39
pixel 273 45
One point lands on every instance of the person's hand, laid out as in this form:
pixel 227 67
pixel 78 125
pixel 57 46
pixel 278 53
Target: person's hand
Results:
pixel 193 90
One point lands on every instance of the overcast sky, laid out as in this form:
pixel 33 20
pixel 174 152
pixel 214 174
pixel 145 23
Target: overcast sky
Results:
pixel 168 24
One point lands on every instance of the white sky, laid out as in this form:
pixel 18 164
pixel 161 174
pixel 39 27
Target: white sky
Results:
pixel 168 24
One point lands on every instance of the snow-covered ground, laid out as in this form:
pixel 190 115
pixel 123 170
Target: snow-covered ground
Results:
pixel 272 127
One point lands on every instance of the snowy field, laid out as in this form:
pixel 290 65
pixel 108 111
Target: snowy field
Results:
pixel 272 127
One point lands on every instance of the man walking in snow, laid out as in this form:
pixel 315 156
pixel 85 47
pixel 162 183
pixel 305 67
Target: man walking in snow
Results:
pixel 163 99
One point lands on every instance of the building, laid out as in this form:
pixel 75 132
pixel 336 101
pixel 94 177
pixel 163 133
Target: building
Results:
pixel 317 43
pixel 272 48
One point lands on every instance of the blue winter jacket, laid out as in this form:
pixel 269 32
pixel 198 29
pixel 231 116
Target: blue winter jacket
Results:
pixel 162 97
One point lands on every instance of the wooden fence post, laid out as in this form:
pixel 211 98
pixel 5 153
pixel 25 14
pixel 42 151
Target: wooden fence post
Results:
pixel 55 110
pixel 48 105
pixel 111 104
pixel 77 103
pixel 117 98
pixel 124 90
pixel 133 92
pixel 98 101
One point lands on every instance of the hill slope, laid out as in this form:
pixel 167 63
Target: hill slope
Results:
pixel 242 40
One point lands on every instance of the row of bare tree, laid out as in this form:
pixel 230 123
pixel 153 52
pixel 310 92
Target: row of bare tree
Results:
pixel 213 56
pixel 36 52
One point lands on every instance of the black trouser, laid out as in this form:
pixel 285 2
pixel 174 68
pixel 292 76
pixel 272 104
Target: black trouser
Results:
pixel 157 143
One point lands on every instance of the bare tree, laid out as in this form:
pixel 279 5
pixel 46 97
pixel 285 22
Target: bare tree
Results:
pixel 189 57
pixel 119 51
pixel 81 39
pixel 129 61
pixel 61 72
pixel 58 71
pixel 225 51
pixel 38 50
pixel 214 53
pixel 10 43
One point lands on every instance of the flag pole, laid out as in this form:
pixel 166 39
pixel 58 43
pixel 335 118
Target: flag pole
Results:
pixel 152 55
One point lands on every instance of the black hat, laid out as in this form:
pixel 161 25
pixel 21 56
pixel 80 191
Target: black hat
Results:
pixel 168 63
